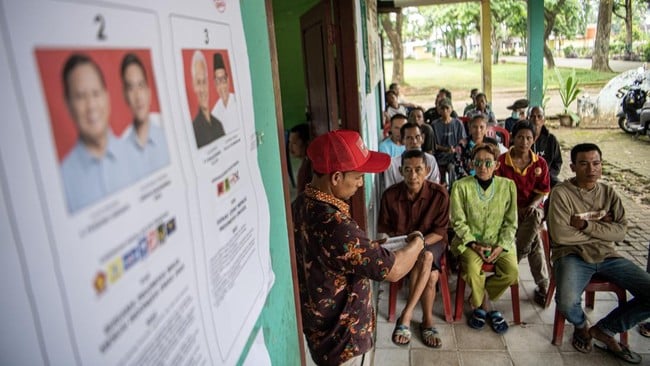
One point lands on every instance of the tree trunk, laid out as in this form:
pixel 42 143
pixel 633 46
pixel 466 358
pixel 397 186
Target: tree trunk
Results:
pixel 600 58
pixel 550 15
pixel 628 29
pixel 548 55
pixel 463 47
pixel 394 34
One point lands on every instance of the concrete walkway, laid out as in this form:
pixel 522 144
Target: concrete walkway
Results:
pixel 580 63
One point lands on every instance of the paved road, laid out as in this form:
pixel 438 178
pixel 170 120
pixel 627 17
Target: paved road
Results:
pixel 581 63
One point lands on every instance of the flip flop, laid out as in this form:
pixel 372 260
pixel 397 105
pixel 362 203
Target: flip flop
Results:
pixel 430 337
pixel 581 343
pixel 540 298
pixel 624 354
pixel 498 323
pixel 477 320
pixel 401 330
pixel 644 329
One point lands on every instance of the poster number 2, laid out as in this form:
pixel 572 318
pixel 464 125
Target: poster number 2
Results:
pixel 102 25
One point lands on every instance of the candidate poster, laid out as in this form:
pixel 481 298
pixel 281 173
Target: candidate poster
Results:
pixel 139 216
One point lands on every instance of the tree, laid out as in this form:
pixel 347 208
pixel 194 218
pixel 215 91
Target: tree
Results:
pixel 393 29
pixel 600 58
pixel 627 17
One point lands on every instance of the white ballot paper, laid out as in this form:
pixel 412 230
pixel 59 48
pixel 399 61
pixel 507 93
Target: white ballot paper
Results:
pixel 394 243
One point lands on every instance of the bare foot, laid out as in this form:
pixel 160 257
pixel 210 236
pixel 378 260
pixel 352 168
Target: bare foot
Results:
pixel 611 342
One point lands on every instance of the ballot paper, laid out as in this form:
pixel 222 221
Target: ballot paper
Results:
pixel 394 243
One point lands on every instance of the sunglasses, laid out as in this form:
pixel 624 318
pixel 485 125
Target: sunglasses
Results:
pixel 487 163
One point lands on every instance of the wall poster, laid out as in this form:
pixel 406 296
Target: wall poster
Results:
pixel 130 185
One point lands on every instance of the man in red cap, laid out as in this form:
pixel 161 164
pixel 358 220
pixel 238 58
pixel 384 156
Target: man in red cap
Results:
pixel 335 259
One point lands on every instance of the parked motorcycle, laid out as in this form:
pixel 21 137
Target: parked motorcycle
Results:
pixel 634 114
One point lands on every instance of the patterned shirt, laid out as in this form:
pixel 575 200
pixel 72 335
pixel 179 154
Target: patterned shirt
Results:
pixel 488 216
pixel 335 263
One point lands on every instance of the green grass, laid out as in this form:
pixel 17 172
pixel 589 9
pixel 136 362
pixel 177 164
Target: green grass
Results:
pixel 429 76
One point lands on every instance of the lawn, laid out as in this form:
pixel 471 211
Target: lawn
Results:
pixel 428 76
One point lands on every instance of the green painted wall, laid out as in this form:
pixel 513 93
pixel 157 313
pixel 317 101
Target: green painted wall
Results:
pixel 278 318
pixel 286 16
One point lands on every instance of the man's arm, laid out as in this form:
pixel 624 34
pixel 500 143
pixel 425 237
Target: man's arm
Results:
pixel 406 257
pixel 613 226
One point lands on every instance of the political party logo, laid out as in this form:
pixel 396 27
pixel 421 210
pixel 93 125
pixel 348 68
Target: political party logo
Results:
pixel 162 233
pixel 131 257
pixel 115 270
pixel 100 282
pixel 226 184
pixel 220 5
pixel 171 226
pixel 143 248
pixel 221 188
pixel 234 178
pixel 152 240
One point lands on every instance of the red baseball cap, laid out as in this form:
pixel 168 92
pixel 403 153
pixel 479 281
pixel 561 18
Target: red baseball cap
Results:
pixel 343 151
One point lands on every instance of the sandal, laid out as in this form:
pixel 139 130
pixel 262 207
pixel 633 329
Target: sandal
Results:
pixel 498 323
pixel 581 342
pixel 430 337
pixel 477 320
pixel 624 354
pixel 540 297
pixel 644 329
pixel 401 330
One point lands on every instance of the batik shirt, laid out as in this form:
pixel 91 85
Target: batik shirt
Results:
pixel 335 263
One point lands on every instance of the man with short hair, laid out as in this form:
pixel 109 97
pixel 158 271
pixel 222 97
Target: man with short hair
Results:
pixel 412 140
pixel 145 144
pixel 207 128
pixel 518 109
pixel 417 116
pixel 225 109
pixel 417 204
pixel 96 166
pixel 450 137
pixel 335 260
pixel 392 145
pixel 546 145
pixel 585 220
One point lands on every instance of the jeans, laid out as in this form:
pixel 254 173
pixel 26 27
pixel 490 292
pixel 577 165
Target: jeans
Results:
pixel 572 275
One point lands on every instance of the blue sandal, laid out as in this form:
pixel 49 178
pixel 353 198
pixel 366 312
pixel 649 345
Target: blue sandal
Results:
pixel 477 320
pixel 498 323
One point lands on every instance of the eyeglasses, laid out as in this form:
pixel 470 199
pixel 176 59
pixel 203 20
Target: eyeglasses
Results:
pixel 487 163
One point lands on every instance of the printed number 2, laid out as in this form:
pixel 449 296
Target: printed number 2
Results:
pixel 207 36
pixel 102 24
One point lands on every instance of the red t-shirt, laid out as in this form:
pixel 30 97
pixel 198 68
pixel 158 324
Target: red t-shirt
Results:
pixel 530 181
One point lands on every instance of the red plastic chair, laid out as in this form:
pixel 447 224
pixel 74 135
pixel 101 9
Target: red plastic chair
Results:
pixel 493 131
pixel 595 284
pixel 460 295
pixel 443 283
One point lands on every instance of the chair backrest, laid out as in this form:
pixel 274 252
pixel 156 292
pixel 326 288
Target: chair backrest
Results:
pixel 504 135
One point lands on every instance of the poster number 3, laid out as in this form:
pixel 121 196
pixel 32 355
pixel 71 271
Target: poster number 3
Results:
pixel 101 22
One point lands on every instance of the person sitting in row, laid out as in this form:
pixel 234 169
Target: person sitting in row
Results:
pixel 477 131
pixel 585 220
pixel 412 140
pixel 546 145
pixel 449 135
pixel 392 145
pixel 530 174
pixel 298 142
pixel 392 108
pixel 472 96
pixel 395 88
pixel 432 114
pixel 484 219
pixel 417 204
pixel 518 109
pixel 482 108
pixel 417 116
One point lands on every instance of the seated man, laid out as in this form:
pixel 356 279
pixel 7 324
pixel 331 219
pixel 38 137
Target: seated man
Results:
pixel 392 145
pixel 585 219
pixel 530 174
pixel 546 145
pixel 483 108
pixel 471 106
pixel 416 204
pixel 518 109
pixel 484 217
pixel 432 114
pixel 449 138
pixel 477 131
pixel 417 116
pixel 412 140
pixel 392 108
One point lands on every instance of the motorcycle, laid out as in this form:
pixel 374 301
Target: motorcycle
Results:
pixel 634 114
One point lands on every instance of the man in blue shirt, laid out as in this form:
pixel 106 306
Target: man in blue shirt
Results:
pixel 96 166
pixel 145 143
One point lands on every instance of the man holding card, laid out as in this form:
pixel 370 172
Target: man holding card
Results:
pixel 417 204
pixel 335 260
pixel 585 219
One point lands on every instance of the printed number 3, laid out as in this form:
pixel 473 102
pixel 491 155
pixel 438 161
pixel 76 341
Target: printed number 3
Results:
pixel 102 24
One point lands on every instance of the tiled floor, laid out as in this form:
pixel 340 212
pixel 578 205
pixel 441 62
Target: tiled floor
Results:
pixel 526 344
